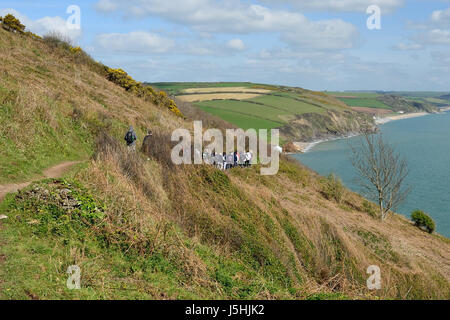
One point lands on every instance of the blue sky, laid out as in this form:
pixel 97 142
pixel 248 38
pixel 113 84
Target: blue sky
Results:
pixel 320 45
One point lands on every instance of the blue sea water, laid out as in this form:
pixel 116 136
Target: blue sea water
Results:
pixel 424 142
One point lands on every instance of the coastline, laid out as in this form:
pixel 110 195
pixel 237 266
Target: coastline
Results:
pixel 304 147
pixel 401 117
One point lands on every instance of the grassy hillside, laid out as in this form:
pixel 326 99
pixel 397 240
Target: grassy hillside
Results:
pixel 376 102
pixel 301 115
pixel 146 229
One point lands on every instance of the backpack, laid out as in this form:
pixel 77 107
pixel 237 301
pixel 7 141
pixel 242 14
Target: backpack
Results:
pixel 129 137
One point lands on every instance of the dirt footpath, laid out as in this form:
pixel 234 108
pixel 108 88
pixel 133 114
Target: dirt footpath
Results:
pixel 53 172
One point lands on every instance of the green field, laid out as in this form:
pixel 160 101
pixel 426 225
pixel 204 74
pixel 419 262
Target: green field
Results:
pixel 241 120
pixel 366 95
pixel 287 105
pixel 174 88
pixel 270 110
pixel 364 102
pixel 368 99
pixel 264 112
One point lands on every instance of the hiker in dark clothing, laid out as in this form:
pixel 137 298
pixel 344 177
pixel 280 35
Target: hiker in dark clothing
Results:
pixel 146 144
pixel 131 138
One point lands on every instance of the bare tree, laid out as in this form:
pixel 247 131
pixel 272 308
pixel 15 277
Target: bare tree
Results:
pixel 382 172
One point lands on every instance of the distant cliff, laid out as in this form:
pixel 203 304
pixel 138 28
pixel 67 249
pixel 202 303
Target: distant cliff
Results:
pixel 310 127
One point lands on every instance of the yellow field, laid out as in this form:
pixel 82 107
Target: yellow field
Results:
pixel 226 90
pixel 217 96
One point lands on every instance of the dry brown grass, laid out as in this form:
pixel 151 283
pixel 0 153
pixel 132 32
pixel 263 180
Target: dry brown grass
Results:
pixel 153 206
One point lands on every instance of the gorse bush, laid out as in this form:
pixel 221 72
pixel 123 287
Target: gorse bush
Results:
pixel 12 24
pixel 423 221
pixel 122 79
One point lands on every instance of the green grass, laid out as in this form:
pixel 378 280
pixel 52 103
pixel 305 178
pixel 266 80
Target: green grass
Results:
pixel 367 103
pixel 365 95
pixel 226 109
pixel 263 112
pixel 287 105
pixel 41 239
pixel 26 150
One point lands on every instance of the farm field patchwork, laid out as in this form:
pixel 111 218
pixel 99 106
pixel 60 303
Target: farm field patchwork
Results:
pixel 248 105
pixel 217 96
pixel 226 90
pixel 175 88
pixel 264 111
pixel 242 120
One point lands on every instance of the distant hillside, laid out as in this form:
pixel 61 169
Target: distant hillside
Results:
pixel 140 227
pixel 301 115
pixel 377 102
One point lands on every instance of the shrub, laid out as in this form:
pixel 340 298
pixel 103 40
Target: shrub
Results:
pixel 32 35
pixel 333 188
pixel 57 40
pixel 12 24
pixel 122 79
pixel 423 221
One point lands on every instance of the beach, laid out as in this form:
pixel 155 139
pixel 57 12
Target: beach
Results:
pixel 304 147
pixel 401 117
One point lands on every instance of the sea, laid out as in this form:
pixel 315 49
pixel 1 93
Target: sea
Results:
pixel 425 144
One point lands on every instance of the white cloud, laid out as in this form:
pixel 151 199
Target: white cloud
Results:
pixel 387 6
pixel 329 34
pixel 234 16
pixel 441 58
pixel 45 25
pixel 136 41
pixel 441 17
pixel 435 37
pixel 407 46
pixel 236 44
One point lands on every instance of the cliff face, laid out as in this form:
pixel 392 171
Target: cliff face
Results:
pixel 401 104
pixel 310 127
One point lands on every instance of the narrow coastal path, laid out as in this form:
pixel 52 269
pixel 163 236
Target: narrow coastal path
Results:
pixel 53 172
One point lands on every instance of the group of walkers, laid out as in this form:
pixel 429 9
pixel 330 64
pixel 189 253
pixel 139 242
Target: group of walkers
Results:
pixel 227 161
pixel 221 161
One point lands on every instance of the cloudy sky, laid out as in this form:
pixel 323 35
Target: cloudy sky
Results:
pixel 320 45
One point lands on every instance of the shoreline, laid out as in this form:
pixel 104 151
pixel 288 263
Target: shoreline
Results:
pixel 304 147
pixel 401 117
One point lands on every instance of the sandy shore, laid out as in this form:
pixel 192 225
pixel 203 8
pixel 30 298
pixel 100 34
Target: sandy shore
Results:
pixel 304 147
pixel 401 117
